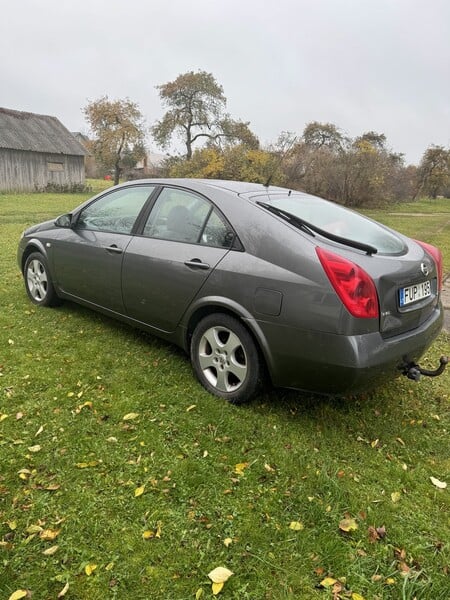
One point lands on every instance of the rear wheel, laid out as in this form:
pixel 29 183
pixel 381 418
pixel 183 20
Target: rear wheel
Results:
pixel 225 358
pixel 38 283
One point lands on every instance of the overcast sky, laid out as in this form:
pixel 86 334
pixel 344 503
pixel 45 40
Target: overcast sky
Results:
pixel 381 65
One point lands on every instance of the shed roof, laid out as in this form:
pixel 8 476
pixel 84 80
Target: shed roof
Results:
pixel 36 133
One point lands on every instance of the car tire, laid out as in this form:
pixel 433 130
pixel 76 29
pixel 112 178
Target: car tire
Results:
pixel 225 358
pixel 38 281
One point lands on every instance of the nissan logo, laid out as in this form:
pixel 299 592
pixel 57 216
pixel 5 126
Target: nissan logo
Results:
pixel 424 268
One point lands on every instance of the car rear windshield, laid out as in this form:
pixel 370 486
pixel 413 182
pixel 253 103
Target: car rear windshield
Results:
pixel 337 220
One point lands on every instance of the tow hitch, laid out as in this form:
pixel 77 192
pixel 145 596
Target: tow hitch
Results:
pixel 414 371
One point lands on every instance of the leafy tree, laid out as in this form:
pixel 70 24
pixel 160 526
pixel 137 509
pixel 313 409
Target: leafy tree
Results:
pixel 357 172
pixel 119 134
pixel 196 111
pixel 237 162
pixel 376 140
pixel 434 171
pixel 319 135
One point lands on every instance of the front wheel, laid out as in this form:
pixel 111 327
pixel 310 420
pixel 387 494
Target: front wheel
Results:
pixel 38 283
pixel 225 358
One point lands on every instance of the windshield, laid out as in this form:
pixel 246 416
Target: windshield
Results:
pixel 337 220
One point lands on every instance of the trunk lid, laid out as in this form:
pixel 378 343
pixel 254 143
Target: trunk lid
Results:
pixel 408 290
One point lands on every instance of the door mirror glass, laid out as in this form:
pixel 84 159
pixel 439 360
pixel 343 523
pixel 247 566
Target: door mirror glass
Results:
pixel 64 221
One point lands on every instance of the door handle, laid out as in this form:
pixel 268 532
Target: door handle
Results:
pixel 113 248
pixel 197 263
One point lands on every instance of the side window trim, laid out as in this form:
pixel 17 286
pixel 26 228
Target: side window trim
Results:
pixel 146 210
pixel 205 223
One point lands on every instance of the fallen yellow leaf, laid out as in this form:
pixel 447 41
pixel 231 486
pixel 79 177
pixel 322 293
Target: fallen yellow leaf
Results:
pixel 439 484
pixel 50 551
pixel 217 588
pixel 87 404
pixel 328 582
pixel 18 594
pixel 148 535
pixel 24 473
pixel 296 526
pixel 356 596
pixel 86 465
pixel 89 569
pixel 227 541
pixel 220 574
pixel 49 534
pixel 34 529
pixel 199 594
pixel 395 496
pixel 239 468
pixel 158 530
pixel 348 525
pixel 130 416
pixel 139 491
pixel 34 448
pixel 64 591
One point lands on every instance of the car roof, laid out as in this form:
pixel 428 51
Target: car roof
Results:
pixel 238 187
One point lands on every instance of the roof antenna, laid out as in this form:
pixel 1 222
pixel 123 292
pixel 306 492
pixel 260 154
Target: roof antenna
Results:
pixel 269 179
pixel 288 147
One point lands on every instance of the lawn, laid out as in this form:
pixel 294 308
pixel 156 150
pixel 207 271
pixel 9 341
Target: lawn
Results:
pixel 120 477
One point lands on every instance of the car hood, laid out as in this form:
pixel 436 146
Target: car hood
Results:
pixel 46 225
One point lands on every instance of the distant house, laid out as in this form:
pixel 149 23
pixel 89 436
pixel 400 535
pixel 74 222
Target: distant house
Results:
pixel 37 151
pixel 152 165
pixel 92 169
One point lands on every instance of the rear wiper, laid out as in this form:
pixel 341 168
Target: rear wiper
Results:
pixel 296 221
pixel 310 228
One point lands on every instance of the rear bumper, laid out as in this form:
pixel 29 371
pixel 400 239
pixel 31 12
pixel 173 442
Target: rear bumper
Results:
pixel 339 364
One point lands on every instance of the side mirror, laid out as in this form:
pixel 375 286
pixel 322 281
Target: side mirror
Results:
pixel 64 221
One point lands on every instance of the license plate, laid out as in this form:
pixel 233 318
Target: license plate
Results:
pixel 413 293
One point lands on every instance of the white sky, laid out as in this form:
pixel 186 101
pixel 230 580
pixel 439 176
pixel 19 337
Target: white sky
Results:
pixel 380 65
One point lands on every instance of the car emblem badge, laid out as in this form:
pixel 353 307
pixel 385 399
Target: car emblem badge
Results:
pixel 424 269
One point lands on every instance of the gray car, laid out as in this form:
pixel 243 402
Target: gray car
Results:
pixel 249 280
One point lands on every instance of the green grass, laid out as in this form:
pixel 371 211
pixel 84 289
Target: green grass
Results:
pixel 71 463
pixel 427 220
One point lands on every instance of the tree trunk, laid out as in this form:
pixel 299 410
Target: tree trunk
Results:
pixel 116 173
pixel 188 144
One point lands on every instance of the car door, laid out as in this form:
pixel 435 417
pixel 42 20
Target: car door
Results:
pixel 88 257
pixel 183 240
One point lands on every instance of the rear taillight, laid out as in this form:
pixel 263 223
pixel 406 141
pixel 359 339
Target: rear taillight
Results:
pixel 436 255
pixel 352 284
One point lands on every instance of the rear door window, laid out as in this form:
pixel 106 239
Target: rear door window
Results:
pixel 182 216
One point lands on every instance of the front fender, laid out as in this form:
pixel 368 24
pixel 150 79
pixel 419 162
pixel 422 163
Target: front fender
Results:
pixel 26 247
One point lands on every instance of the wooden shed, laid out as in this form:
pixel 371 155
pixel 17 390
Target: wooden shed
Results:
pixel 37 152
